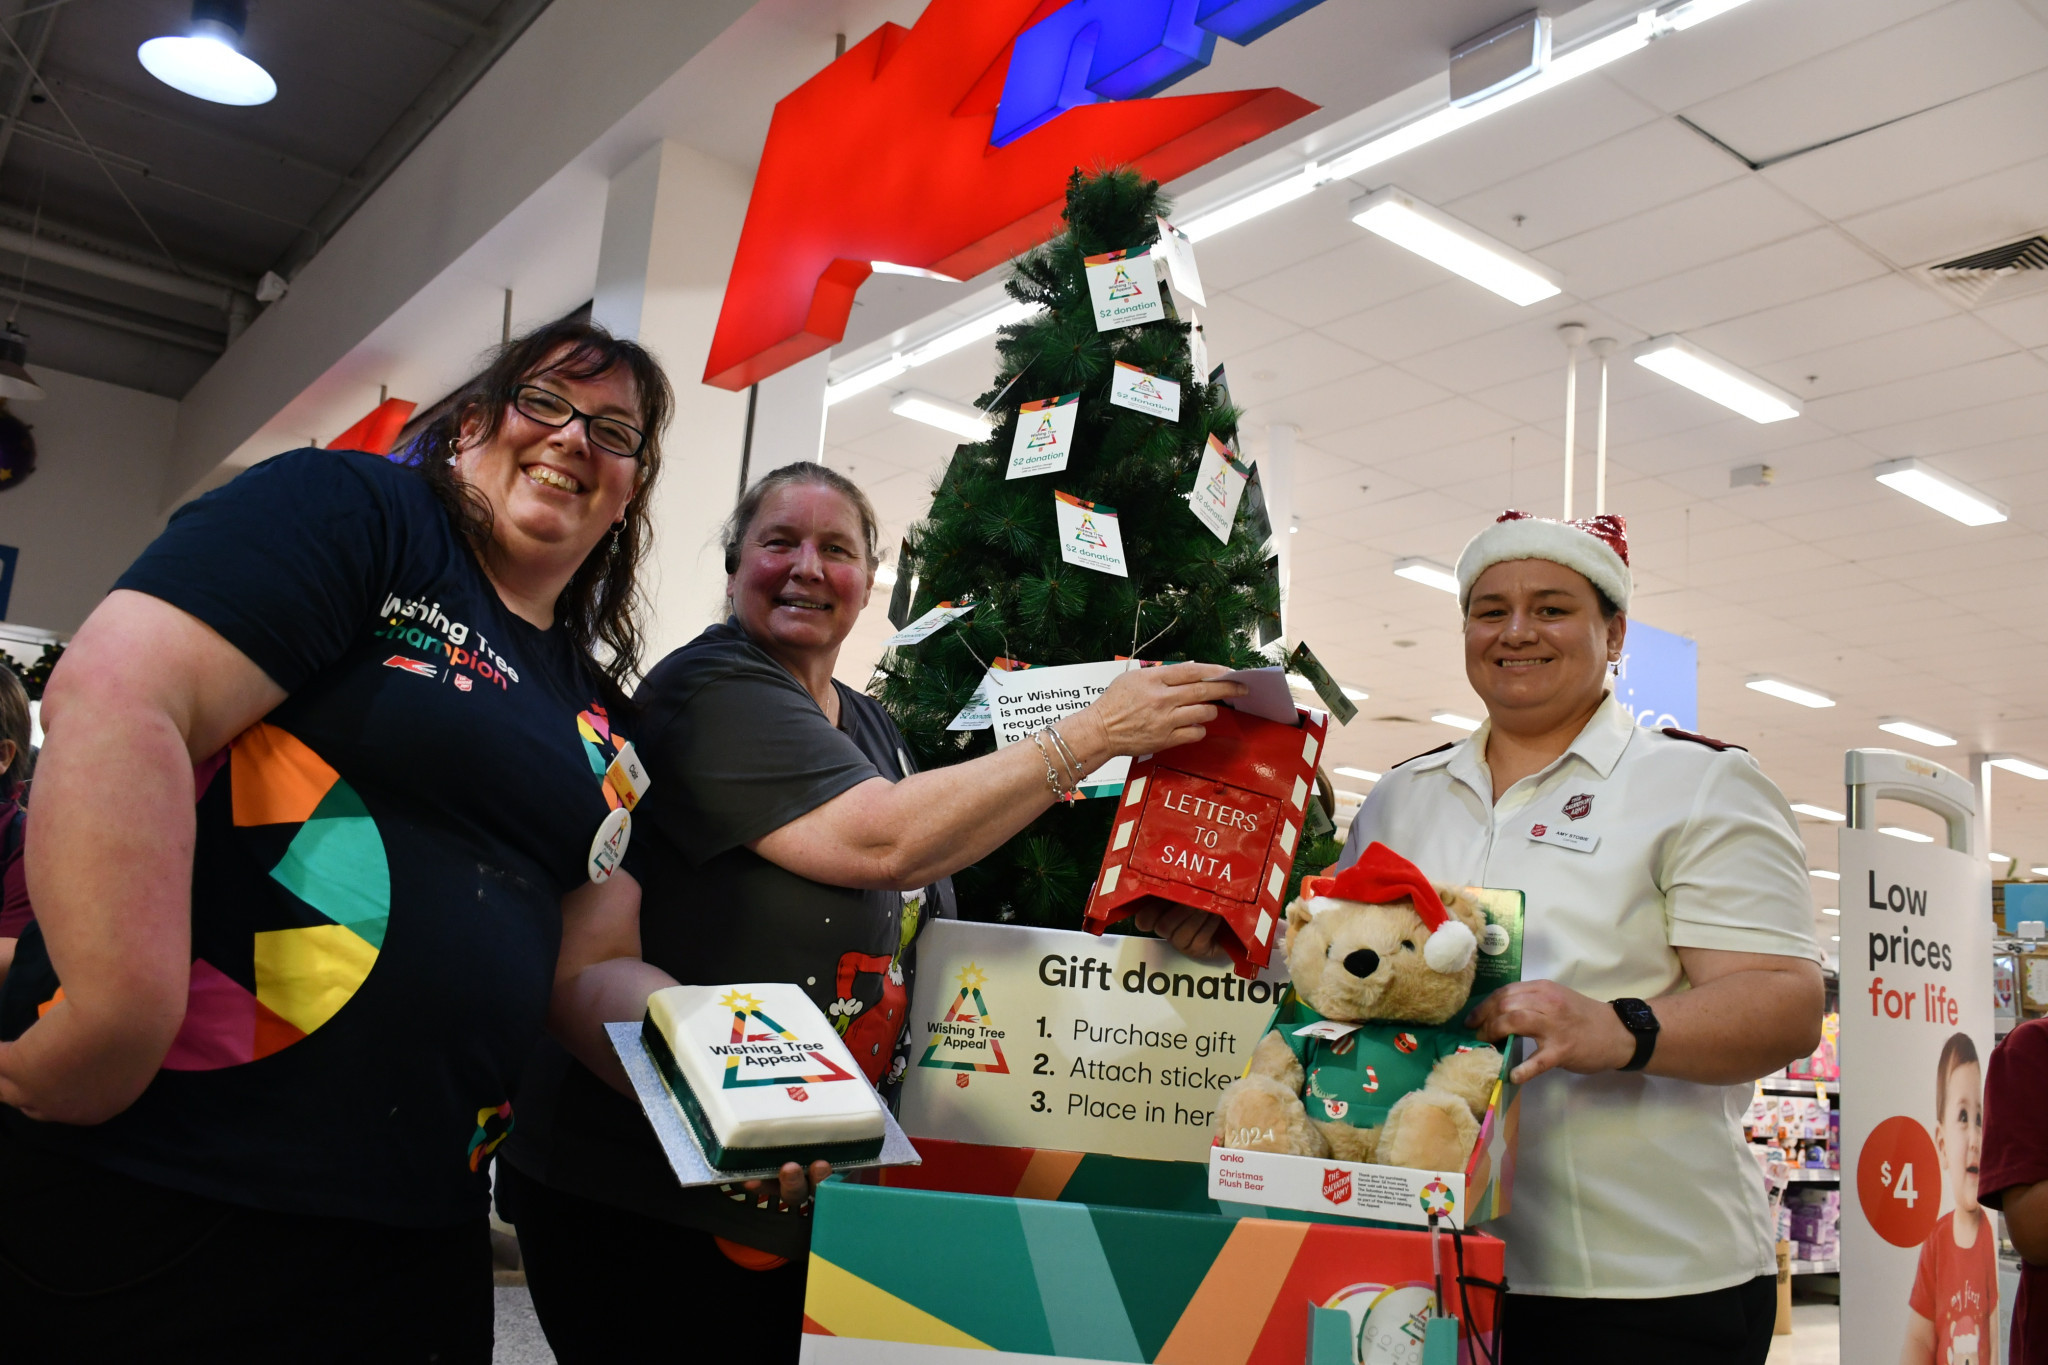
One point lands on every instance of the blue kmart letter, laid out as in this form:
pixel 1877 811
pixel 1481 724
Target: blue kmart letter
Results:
pixel 1089 50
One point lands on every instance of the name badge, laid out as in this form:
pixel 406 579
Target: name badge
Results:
pixel 1579 841
pixel 627 777
pixel 1333 1030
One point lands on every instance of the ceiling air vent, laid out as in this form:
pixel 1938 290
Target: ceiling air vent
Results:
pixel 1987 276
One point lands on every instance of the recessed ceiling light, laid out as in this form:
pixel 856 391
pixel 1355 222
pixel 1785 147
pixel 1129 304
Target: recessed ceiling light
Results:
pixel 1919 734
pixel 204 63
pixel 1778 687
pixel 1455 721
pixel 1434 235
pixel 1822 872
pixel 1681 362
pixel 1428 573
pixel 1943 494
pixel 1818 813
pixel 1834 938
pixel 1900 832
pixel 1362 774
pixel 1829 910
pixel 2020 766
pixel 958 418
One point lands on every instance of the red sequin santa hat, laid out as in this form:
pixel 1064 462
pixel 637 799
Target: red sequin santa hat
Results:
pixel 1382 876
pixel 1594 546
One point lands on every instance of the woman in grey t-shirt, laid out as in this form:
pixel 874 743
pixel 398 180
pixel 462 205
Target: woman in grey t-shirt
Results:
pixel 786 837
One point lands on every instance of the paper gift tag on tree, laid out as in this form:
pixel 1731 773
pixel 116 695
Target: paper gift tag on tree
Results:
pixel 1154 395
pixel 1089 535
pixel 1219 486
pixel 1124 287
pixel 929 624
pixel 1215 825
pixel 1045 436
pixel 1179 254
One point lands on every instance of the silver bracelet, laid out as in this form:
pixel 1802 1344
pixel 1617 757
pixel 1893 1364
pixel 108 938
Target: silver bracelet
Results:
pixel 1067 755
pixel 1052 776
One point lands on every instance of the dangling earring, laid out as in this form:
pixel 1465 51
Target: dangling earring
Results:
pixel 617 527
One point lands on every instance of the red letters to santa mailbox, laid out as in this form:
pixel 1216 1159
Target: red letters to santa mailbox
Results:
pixel 1215 825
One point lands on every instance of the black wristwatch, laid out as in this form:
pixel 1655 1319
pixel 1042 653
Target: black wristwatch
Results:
pixel 1636 1017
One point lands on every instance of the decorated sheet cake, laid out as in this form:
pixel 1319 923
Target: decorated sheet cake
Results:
pixel 761 1076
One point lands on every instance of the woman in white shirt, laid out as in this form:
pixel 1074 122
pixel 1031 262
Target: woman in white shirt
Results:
pixel 1668 962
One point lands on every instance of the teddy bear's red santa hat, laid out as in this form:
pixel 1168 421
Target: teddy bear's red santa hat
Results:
pixel 1382 876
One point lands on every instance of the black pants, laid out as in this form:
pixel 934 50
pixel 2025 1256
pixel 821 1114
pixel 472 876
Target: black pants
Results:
pixel 1725 1327
pixel 612 1286
pixel 95 1266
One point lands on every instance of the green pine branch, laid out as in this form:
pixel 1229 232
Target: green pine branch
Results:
pixel 1188 595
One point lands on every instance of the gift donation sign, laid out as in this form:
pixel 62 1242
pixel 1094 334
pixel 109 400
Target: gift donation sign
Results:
pixel 1048 1038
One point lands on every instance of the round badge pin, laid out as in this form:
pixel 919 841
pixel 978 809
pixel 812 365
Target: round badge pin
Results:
pixel 1494 941
pixel 608 846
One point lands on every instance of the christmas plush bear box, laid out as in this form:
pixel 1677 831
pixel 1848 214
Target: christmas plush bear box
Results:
pixel 1368 1061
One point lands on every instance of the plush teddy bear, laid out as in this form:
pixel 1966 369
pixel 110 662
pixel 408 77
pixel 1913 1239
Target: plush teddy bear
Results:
pixel 1373 1068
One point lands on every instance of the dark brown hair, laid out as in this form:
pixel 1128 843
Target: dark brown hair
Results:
pixel 14 725
pixel 802 472
pixel 603 602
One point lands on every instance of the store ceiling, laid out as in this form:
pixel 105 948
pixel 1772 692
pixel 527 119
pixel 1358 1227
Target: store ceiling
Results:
pixel 215 195
pixel 1425 405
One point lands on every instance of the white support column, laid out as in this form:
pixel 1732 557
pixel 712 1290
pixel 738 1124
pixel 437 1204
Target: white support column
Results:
pixel 789 417
pixel 671 224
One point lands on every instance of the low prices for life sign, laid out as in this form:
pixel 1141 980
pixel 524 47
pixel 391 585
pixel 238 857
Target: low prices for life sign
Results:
pixel 1048 1038
pixel 1916 1033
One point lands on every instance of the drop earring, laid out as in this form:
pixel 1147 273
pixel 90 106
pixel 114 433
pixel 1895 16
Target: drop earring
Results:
pixel 617 527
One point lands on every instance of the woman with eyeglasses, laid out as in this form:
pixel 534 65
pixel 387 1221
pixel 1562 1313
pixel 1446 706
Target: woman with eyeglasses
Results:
pixel 329 782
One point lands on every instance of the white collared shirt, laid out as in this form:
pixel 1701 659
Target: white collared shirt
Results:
pixel 1628 847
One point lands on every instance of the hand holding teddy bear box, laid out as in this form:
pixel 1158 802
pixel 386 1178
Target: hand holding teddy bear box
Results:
pixel 1366 1061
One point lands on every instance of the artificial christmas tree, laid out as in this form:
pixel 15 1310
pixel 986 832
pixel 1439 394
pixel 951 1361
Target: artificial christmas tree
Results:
pixel 1186 595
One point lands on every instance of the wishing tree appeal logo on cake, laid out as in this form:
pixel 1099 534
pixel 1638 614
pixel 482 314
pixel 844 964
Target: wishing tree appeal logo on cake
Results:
pixel 763 1052
pixel 967 1038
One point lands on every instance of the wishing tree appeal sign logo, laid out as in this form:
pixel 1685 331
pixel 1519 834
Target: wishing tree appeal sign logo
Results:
pixel 886 155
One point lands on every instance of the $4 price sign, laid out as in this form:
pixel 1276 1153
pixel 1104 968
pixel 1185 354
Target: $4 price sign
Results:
pixel 1898 1181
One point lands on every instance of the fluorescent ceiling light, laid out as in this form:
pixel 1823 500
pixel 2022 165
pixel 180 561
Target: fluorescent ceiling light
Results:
pixel 1632 36
pixel 1681 362
pixel 2020 766
pixel 1455 721
pixel 1818 813
pixel 1301 684
pixel 1823 874
pixel 1900 832
pixel 2039 871
pixel 1829 910
pixel 968 423
pixel 204 63
pixel 1784 691
pixel 944 344
pixel 1362 774
pixel 1406 221
pixel 1227 216
pixel 1428 573
pixel 1834 938
pixel 1919 734
pixel 2001 857
pixel 1940 492
pixel 885 575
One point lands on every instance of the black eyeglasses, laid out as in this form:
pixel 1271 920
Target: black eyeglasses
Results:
pixel 608 434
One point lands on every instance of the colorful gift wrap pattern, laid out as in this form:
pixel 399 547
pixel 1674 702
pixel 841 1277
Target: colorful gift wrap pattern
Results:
pixel 1029 1278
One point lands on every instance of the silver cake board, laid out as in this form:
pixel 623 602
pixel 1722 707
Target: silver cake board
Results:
pixel 679 1143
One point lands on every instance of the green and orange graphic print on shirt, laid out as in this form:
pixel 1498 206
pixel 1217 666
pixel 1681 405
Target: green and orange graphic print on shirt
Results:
pixel 299 971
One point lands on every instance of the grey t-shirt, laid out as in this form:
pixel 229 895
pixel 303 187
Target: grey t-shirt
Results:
pixel 735 748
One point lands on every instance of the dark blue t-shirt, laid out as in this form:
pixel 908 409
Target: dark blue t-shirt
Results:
pixel 380 862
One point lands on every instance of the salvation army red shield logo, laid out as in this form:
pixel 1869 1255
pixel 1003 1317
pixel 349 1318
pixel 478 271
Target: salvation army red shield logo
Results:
pixel 797 1093
pixel 1405 1042
pixel 462 683
pixel 1536 831
pixel 1579 807
pixel 1337 1186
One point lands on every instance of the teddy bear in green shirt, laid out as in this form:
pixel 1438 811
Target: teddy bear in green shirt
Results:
pixel 1364 1063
